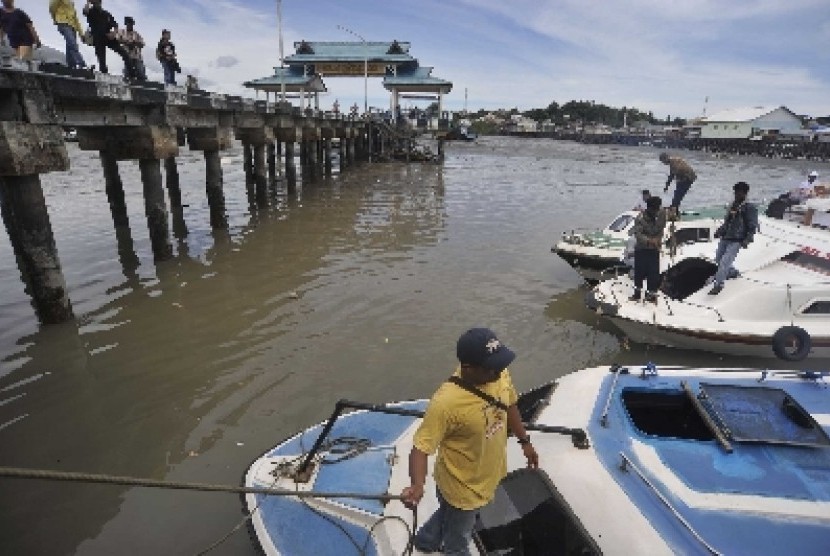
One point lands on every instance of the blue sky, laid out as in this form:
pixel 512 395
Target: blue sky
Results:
pixel 665 56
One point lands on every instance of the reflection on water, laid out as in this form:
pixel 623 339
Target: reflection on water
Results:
pixel 354 287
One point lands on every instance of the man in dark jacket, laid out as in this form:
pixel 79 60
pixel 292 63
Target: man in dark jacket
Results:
pixel 648 232
pixel 104 30
pixel 737 231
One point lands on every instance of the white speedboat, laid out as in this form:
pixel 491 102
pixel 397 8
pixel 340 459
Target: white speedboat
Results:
pixel 600 254
pixel 652 461
pixel 779 305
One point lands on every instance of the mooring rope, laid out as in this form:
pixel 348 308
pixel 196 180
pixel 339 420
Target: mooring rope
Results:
pixel 52 475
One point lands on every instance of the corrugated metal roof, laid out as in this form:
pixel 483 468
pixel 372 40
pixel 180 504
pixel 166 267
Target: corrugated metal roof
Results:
pixel 310 52
pixel 742 114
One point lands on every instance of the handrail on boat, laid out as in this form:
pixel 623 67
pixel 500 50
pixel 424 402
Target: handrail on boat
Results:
pixel 578 436
pixel 707 419
pixel 626 463
pixel 617 369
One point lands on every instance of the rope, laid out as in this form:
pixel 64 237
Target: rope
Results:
pixel 51 475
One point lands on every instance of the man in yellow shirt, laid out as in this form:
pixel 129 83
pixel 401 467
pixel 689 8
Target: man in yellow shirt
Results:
pixel 66 20
pixel 466 423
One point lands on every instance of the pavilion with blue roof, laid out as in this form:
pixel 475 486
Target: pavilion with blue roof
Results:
pixel 303 72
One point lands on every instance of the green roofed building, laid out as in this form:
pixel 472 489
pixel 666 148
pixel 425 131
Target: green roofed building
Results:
pixel 304 71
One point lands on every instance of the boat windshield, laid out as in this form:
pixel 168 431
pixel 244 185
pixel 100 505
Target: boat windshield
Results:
pixel 529 516
pixel 621 223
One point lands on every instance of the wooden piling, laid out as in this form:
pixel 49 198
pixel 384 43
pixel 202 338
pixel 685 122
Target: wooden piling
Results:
pixel 27 221
pixel 155 208
pixel 272 162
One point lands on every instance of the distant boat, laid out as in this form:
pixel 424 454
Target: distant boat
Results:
pixel 461 133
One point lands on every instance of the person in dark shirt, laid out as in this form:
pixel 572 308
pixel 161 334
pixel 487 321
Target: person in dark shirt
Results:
pixel 648 231
pixel 17 25
pixel 736 232
pixel 104 29
pixel 166 54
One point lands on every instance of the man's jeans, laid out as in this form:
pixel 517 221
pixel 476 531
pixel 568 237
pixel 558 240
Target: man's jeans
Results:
pixel 681 187
pixel 724 257
pixel 73 55
pixel 169 72
pixel 449 530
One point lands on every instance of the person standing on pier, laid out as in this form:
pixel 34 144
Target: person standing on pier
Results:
pixel 684 176
pixel 736 232
pixel 133 42
pixel 466 423
pixel 648 233
pixel 66 20
pixel 166 54
pixel 18 27
pixel 104 30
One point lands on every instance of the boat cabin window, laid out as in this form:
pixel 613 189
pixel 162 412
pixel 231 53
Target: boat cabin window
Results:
pixel 817 308
pixel 691 235
pixel 529 516
pixel 621 223
pixel 667 413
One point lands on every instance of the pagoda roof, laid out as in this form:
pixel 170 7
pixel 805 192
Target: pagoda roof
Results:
pixel 294 82
pixel 314 52
pixel 419 79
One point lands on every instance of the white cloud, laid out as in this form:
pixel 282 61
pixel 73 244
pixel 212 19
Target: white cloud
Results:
pixel 651 54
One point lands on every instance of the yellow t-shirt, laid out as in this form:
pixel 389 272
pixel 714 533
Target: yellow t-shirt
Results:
pixel 470 436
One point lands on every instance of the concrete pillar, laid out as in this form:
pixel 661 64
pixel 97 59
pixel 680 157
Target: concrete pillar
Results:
pixel 272 162
pixel 27 221
pixel 173 189
pixel 342 154
pixel 155 208
pixel 350 150
pixel 215 193
pixel 327 155
pixel 290 167
pixel 247 160
pixel 115 190
pixel 211 141
pixel 260 177
pixel 309 169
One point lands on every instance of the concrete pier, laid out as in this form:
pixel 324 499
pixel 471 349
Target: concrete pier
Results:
pixel 147 123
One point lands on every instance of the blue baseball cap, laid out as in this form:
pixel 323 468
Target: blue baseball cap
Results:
pixel 480 347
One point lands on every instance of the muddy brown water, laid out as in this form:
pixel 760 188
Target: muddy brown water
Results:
pixel 356 287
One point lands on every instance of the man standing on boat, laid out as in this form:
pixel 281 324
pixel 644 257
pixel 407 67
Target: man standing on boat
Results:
pixel 737 231
pixel 466 423
pixel 648 232
pixel 684 176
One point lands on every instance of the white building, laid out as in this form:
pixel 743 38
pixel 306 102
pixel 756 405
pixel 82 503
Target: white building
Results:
pixel 742 123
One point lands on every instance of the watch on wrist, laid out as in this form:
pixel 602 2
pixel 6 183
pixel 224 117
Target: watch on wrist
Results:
pixel 523 441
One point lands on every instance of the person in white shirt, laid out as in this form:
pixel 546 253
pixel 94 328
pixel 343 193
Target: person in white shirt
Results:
pixel 805 189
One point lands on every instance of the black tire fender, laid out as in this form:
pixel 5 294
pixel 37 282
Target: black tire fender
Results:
pixel 791 343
